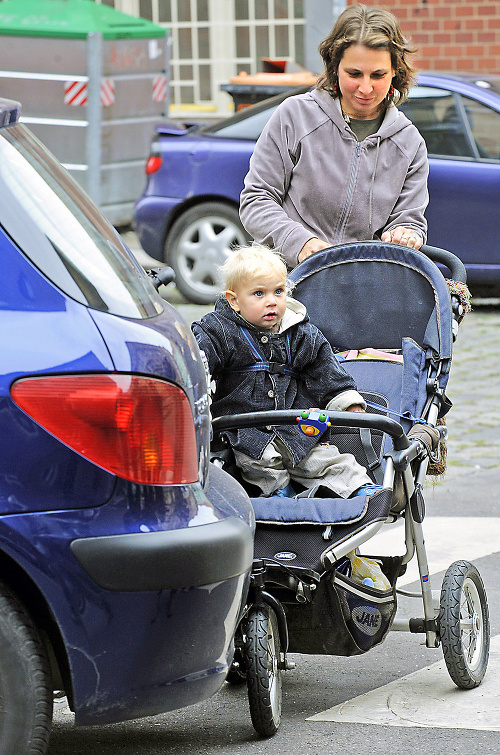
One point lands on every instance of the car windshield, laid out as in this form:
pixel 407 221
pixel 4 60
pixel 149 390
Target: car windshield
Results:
pixel 55 224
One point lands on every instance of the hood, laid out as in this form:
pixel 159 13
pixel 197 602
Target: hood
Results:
pixel 394 121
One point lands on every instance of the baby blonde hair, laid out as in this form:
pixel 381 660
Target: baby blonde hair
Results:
pixel 247 262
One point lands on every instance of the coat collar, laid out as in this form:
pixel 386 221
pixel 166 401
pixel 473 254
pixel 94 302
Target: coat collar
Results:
pixel 393 122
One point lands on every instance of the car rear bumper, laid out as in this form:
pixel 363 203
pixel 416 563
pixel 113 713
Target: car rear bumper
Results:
pixel 187 557
pixel 149 626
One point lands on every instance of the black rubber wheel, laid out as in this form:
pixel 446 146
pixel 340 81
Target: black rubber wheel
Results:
pixel 464 625
pixel 25 682
pixel 262 659
pixel 198 243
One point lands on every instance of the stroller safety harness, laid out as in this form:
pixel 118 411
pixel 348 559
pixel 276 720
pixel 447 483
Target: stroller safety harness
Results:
pixel 275 368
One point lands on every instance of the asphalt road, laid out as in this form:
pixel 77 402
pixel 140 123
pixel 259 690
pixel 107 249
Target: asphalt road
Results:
pixel 423 712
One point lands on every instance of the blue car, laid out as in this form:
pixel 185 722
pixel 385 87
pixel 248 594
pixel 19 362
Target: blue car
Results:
pixel 187 215
pixel 124 554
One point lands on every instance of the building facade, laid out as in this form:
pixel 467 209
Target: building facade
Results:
pixel 213 40
pixel 452 35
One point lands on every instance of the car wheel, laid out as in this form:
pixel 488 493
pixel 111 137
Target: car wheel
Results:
pixel 199 242
pixel 25 684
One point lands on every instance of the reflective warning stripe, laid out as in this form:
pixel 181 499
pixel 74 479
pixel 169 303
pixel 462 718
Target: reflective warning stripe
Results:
pixel 159 88
pixel 76 92
pixel 107 92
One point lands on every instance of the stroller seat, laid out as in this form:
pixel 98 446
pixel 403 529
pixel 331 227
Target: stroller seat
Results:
pixel 308 532
pixel 384 298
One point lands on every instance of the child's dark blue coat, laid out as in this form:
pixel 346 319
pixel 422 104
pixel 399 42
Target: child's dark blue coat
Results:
pixel 231 344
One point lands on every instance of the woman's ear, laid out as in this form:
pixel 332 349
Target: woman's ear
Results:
pixel 232 300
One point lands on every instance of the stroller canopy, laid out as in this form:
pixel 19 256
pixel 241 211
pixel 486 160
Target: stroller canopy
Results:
pixel 372 295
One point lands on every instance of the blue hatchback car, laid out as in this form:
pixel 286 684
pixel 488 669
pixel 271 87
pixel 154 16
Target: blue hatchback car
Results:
pixel 124 554
pixel 187 215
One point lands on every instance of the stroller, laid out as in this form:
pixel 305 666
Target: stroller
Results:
pixel 393 316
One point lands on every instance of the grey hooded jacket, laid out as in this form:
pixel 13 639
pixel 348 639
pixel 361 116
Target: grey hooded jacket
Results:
pixel 313 377
pixel 309 176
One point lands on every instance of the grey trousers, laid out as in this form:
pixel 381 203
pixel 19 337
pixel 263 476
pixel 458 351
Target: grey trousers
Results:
pixel 323 464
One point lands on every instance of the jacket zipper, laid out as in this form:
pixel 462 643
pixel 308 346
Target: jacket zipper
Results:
pixel 350 189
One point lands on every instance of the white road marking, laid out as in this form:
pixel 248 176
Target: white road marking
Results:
pixel 428 698
pixel 447 539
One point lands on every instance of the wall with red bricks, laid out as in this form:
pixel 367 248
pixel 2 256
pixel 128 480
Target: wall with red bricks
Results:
pixel 451 35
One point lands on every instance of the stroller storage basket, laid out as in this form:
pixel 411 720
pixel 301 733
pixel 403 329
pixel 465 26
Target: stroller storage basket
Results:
pixel 344 617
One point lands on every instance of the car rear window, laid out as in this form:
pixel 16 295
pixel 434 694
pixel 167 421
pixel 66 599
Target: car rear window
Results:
pixel 249 122
pixel 59 229
pixel 246 128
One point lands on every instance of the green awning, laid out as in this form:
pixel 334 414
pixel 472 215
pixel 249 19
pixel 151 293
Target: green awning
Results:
pixel 73 19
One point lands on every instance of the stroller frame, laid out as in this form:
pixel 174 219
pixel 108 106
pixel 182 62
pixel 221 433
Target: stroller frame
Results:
pixel 280 592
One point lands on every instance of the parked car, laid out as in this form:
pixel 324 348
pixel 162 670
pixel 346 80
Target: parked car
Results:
pixel 124 554
pixel 188 213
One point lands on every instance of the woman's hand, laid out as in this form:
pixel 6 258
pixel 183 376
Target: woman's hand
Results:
pixel 311 246
pixel 404 236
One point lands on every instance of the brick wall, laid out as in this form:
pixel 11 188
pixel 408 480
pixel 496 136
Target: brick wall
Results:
pixel 452 35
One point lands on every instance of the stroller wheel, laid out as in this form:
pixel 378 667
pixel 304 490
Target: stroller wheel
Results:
pixel 262 660
pixel 464 625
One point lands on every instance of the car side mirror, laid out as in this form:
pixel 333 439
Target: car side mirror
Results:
pixel 161 276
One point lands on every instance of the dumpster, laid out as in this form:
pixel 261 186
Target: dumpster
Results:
pixel 277 76
pixel 92 83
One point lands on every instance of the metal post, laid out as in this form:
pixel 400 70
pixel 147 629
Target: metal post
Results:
pixel 94 135
pixel 168 71
pixel 320 16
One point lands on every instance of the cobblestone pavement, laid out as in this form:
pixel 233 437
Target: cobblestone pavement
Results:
pixel 474 386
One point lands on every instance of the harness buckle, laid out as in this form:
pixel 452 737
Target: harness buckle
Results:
pixel 276 369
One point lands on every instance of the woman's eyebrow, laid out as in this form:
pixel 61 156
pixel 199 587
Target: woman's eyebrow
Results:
pixel 358 70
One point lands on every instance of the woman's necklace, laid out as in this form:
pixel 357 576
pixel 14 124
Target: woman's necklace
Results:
pixel 347 117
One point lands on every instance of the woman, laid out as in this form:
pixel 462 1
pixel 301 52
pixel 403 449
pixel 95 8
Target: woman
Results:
pixel 341 163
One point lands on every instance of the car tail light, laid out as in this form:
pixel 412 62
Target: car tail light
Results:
pixel 153 164
pixel 138 428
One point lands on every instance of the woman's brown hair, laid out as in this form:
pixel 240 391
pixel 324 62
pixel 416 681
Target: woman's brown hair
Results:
pixel 376 29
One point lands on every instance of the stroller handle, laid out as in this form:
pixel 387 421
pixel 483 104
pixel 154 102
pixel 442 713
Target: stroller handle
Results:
pixel 452 262
pixel 339 419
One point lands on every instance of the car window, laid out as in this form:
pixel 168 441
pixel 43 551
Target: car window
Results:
pixel 485 127
pixel 437 115
pixel 63 234
pixel 246 128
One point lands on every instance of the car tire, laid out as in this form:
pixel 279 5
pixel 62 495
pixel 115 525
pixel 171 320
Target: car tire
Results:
pixel 198 243
pixel 25 682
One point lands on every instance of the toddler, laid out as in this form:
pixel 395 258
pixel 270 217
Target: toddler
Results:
pixel 264 353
